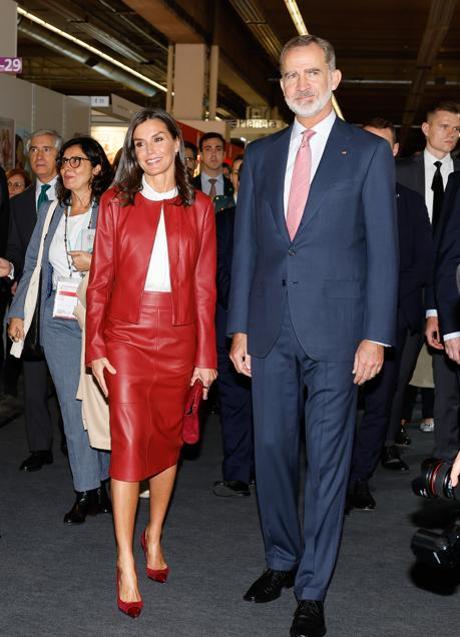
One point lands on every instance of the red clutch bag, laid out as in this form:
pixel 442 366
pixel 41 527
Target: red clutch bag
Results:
pixel 191 420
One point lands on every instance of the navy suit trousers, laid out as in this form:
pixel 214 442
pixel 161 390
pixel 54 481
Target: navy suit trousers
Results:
pixel 279 381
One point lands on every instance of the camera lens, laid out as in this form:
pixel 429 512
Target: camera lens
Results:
pixel 434 481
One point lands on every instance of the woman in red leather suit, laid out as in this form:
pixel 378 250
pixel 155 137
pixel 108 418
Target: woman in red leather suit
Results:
pixel 150 327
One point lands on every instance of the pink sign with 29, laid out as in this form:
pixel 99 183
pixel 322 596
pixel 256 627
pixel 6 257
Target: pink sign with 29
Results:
pixel 10 65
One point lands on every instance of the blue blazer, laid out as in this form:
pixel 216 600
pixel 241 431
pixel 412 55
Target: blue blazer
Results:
pixel 340 273
pixel 17 306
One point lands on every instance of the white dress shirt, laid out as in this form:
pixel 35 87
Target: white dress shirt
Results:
pixel 317 144
pixel 447 167
pixel 206 186
pixel 158 277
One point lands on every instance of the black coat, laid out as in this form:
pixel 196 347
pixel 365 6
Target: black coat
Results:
pixel 4 212
pixel 23 217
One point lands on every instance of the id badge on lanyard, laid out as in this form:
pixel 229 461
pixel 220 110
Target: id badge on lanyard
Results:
pixel 66 298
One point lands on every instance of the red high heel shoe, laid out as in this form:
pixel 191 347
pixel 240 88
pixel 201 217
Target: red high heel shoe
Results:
pixel 158 575
pixel 132 609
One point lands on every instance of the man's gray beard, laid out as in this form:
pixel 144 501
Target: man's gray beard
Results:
pixel 312 109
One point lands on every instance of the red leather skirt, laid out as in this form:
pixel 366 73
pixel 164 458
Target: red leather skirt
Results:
pixel 154 362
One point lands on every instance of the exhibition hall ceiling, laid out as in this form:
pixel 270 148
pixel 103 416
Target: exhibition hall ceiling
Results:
pixel 397 57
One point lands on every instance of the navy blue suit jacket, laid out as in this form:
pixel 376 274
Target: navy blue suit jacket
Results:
pixel 415 253
pixel 340 273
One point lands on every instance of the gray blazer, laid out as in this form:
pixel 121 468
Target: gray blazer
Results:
pixel 17 306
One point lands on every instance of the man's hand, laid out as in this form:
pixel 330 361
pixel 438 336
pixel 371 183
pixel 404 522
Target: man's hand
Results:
pixel 368 361
pixel 455 471
pixel 239 354
pixel 5 267
pixel 432 332
pixel 452 347
pixel 16 329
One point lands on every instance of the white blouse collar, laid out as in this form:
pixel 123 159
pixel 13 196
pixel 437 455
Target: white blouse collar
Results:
pixel 150 193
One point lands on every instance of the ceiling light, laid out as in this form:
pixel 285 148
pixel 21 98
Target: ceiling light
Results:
pixel 88 47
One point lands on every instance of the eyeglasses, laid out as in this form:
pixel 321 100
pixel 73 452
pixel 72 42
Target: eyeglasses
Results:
pixel 190 159
pixel 15 185
pixel 74 162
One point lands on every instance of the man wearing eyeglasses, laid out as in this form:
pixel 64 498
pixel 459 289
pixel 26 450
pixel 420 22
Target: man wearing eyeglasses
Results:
pixel 191 158
pixel 42 148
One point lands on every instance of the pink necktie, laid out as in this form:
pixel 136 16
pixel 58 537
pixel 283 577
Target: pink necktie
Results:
pixel 300 184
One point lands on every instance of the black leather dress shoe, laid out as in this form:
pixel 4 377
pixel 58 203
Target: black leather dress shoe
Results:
pixel 86 503
pixel 392 460
pixel 36 460
pixel 360 497
pixel 269 585
pixel 308 619
pixel 230 488
pixel 103 500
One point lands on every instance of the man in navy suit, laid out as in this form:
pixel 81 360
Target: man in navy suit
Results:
pixel 312 305
pixel 415 274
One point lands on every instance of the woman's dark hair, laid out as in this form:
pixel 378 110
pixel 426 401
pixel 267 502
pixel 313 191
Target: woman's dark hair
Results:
pixel 95 153
pixel 128 180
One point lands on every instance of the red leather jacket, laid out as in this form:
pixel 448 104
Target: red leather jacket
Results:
pixel 122 249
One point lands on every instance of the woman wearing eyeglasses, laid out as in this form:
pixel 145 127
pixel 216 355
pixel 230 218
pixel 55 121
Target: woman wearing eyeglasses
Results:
pixel 150 328
pixel 18 181
pixel 84 174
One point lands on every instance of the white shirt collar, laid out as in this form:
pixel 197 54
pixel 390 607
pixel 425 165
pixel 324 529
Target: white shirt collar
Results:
pixel 429 158
pixel 322 128
pixel 150 193
pixel 207 177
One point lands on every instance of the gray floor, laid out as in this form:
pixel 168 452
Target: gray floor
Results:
pixel 59 580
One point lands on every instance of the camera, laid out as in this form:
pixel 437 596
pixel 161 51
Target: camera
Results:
pixel 441 550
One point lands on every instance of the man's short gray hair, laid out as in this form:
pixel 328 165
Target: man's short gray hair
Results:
pixel 45 131
pixel 306 40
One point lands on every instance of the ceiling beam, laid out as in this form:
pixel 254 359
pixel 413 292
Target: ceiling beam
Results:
pixel 437 26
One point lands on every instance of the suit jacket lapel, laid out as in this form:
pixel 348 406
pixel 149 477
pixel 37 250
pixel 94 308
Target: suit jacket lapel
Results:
pixel 275 174
pixel 335 152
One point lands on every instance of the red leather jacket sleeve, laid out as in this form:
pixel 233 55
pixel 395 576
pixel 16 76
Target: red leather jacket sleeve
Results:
pixel 100 278
pixel 205 292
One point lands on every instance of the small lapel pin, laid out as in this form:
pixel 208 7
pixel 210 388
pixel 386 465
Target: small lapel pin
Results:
pixel 344 152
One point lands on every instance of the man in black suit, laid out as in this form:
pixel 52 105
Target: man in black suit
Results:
pixel 42 148
pixel 427 174
pixel 447 260
pixel 4 285
pixel 234 391
pixel 415 272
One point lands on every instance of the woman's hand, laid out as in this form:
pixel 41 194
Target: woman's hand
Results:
pixel 455 471
pixel 81 260
pixel 16 329
pixel 206 376
pixel 98 365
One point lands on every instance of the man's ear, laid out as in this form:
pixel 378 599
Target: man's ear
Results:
pixel 395 149
pixel 336 78
pixel 425 128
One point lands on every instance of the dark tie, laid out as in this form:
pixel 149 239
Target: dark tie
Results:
pixel 438 194
pixel 42 197
pixel 213 189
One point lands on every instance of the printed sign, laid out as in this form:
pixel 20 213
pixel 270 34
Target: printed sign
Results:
pixel 10 65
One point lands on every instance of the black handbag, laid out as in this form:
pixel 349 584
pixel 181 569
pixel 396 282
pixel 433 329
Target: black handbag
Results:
pixel 32 350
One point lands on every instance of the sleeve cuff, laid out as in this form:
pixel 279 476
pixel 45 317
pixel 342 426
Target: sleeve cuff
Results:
pixel 451 335
pixel 431 313
pixel 378 343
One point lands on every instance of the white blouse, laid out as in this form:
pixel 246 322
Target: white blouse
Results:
pixel 57 257
pixel 158 277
